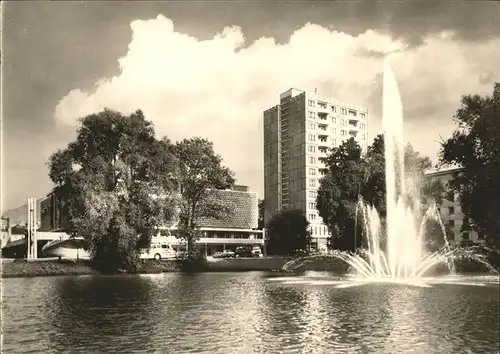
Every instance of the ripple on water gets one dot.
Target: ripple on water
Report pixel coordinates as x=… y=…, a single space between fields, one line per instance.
x=247 y=313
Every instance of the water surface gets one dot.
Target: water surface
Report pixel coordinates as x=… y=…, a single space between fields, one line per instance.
x=245 y=313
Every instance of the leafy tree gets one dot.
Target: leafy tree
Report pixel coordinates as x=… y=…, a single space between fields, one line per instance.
x=261 y=214
x=414 y=162
x=475 y=146
x=200 y=173
x=339 y=190
x=434 y=236
x=288 y=233
x=117 y=184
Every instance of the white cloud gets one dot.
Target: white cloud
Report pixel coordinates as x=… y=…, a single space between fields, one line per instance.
x=218 y=88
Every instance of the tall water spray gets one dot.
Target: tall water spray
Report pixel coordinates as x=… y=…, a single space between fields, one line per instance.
x=403 y=241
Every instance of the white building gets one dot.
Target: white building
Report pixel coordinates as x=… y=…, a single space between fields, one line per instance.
x=298 y=132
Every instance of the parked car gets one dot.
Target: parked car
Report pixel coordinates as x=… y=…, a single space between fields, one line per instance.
x=225 y=254
x=256 y=251
x=244 y=251
x=248 y=251
x=466 y=243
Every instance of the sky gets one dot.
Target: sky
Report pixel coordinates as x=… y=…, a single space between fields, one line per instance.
x=211 y=68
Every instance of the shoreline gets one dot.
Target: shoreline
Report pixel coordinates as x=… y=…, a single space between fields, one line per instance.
x=54 y=267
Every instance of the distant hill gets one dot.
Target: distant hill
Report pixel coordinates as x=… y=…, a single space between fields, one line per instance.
x=19 y=215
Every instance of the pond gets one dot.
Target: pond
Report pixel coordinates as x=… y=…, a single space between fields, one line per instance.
x=251 y=312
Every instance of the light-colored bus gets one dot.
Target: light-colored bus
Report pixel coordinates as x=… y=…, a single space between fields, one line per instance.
x=158 y=250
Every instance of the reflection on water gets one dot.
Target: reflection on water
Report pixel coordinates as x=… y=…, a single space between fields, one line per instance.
x=244 y=313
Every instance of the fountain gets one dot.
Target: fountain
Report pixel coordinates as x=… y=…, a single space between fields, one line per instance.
x=404 y=259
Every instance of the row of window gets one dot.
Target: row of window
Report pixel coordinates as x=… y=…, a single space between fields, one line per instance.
x=312 y=115
x=312 y=126
x=319 y=230
x=343 y=111
x=312 y=137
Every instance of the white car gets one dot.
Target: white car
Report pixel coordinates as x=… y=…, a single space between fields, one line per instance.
x=159 y=251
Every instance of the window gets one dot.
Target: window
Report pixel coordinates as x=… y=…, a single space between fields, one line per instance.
x=310 y=103
x=311 y=137
x=334 y=120
x=312 y=171
x=334 y=109
x=311 y=126
x=451 y=223
x=312 y=183
x=334 y=142
x=312 y=205
x=465 y=236
x=480 y=236
x=343 y=111
x=312 y=217
x=362 y=115
x=311 y=148
x=451 y=210
x=342 y=122
x=343 y=133
x=312 y=194
x=334 y=131
x=312 y=159
x=311 y=114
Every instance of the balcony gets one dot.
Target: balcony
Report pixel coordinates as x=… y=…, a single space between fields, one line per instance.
x=353 y=123
x=322 y=106
x=322 y=152
x=323 y=125
x=323 y=116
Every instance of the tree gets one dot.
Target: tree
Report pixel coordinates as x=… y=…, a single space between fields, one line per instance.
x=339 y=190
x=435 y=234
x=117 y=184
x=200 y=173
x=261 y=214
x=288 y=233
x=475 y=147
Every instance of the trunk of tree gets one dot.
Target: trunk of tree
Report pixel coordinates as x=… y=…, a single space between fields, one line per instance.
x=190 y=244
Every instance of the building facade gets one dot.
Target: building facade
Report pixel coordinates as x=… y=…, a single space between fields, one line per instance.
x=298 y=133
x=235 y=229
x=451 y=211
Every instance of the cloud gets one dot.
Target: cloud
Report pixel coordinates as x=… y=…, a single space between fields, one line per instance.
x=218 y=88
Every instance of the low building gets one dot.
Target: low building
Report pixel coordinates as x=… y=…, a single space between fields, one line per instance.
x=13 y=230
x=234 y=229
x=451 y=211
